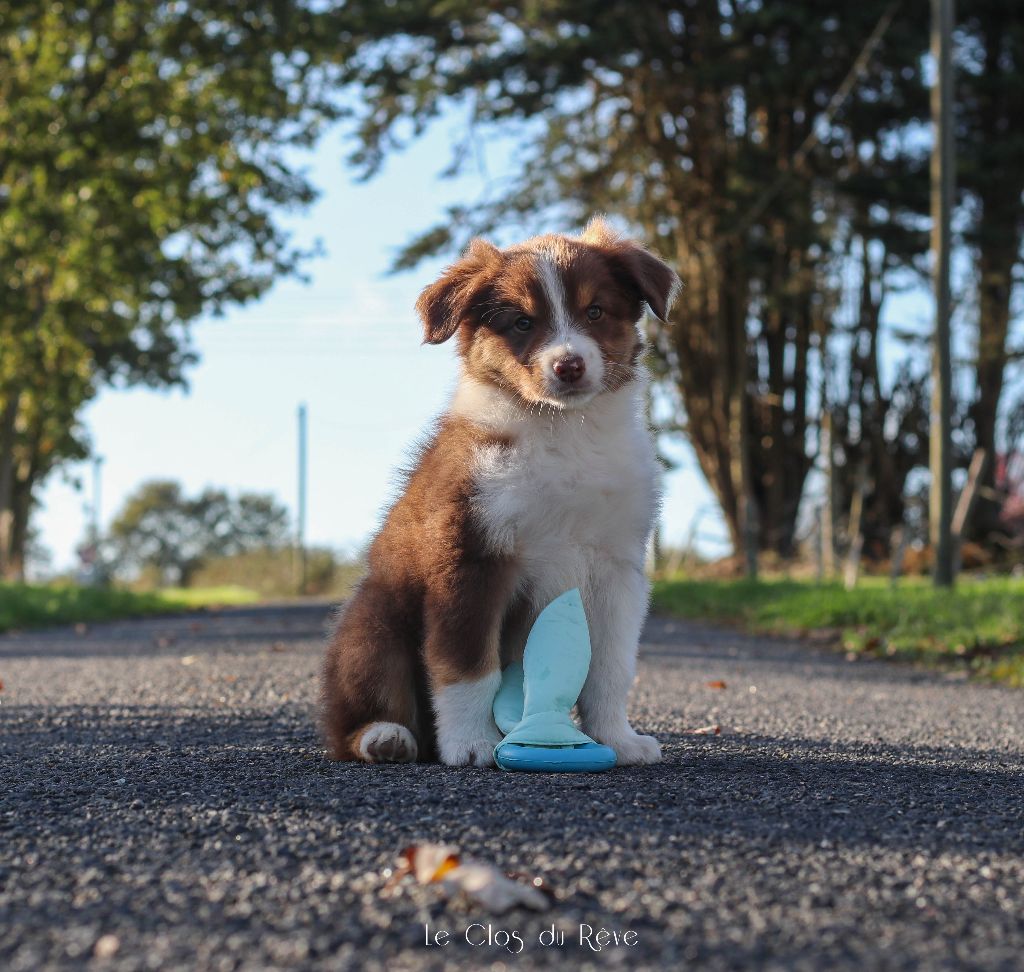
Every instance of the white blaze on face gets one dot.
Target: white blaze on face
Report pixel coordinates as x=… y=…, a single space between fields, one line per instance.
x=567 y=339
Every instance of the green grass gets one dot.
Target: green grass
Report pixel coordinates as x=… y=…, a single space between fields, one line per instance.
x=25 y=605
x=979 y=624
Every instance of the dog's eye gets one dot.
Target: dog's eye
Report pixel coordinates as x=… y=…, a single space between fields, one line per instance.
x=594 y=312
x=523 y=324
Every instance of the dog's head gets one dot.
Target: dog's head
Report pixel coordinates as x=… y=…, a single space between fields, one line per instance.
x=553 y=319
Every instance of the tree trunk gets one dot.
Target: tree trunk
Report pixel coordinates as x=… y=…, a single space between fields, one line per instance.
x=996 y=259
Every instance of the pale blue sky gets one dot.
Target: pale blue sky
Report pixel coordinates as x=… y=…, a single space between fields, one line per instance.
x=347 y=344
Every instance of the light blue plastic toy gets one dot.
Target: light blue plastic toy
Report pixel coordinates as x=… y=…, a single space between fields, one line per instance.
x=535 y=697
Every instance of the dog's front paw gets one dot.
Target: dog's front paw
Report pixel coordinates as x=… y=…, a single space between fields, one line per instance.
x=632 y=749
x=470 y=750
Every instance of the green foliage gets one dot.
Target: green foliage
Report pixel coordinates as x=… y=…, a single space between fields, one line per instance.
x=144 y=151
x=25 y=605
x=710 y=128
x=980 y=623
x=160 y=527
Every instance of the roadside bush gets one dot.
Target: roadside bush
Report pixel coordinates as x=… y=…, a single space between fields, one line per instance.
x=274 y=572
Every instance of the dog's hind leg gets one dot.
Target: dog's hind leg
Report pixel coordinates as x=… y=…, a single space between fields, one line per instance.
x=369 y=698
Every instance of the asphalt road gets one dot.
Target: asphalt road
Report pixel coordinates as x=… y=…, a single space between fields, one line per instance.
x=165 y=804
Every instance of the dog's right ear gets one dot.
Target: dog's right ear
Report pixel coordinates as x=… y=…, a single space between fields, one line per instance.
x=447 y=302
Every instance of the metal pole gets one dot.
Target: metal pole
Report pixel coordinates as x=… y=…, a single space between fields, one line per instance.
x=97 y=463
x=97 y=572
x=301 y=534
x=942 y=163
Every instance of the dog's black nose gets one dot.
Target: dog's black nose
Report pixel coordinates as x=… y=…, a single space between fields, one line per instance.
x=570 y=369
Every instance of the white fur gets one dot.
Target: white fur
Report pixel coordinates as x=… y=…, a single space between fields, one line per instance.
x=387 y=742
x=551 y=284
x=567 y=339
x=573 y=499
x=466 y=733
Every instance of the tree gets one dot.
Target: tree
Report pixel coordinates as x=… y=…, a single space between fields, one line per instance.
x=161 y=528
x=144 y=153
x=990 y=146
x=713 y=129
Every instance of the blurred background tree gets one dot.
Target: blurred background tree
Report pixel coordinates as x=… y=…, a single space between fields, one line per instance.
x=144 y=152
x=161 y=528
x=990 y=141
x=777 y=155
x=163 y=537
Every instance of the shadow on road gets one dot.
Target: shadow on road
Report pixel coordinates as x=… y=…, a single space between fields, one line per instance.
x=761 y=789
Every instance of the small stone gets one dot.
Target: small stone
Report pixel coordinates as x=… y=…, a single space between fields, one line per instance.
x=106 y=946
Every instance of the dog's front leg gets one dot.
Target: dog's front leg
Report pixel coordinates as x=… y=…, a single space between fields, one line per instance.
x=462 y=651
x=616 y=607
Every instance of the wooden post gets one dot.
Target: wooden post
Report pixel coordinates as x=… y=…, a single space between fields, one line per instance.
x=828 y=540
x=965 y=505
x=852 y=568
x=942 y=165
x=896 y=566
x=819 y=545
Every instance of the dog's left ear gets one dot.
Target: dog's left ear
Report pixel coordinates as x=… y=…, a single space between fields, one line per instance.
x=657 y=283
x=447 y=302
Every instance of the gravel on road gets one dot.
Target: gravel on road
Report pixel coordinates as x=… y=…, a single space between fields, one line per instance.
x=165 y=804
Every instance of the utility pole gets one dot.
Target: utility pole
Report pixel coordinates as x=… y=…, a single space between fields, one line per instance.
x=97 y=573
x=97 y=465
x=301 y=519
x=942 y=163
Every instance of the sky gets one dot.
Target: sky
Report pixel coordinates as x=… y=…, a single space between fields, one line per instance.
x=348 y=345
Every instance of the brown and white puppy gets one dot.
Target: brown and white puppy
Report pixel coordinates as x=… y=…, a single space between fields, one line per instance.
x=541 y=476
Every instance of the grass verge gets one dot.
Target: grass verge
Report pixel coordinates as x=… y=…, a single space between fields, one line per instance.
x=979 y=624
x=25 y=605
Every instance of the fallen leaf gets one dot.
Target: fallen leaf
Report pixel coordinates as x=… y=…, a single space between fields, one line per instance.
x=81 y=628
x=716 y=684
x=426 y=862
x=481 y=883
x=278 y=646
x=189 y=659
x=484 y=884
x=706 y=731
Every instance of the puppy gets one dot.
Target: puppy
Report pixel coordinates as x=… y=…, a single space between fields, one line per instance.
x=541 y=476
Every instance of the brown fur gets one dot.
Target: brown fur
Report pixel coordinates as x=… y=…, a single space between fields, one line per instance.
x=407 y=625
x=437 y=604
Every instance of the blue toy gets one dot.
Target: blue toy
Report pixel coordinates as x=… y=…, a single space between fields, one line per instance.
x=535 y=697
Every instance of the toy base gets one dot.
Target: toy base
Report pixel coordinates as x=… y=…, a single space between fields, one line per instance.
x=585 y=758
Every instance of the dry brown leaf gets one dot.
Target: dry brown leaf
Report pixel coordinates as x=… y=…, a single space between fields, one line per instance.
x=716 y=684
x=278 y=646
x=481 y=883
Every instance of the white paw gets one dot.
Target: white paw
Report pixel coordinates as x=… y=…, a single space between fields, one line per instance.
x=387 y=742
x=469 y=750
x=631 y=749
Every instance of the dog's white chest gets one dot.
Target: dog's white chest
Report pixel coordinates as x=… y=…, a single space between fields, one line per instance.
x=572 y=490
